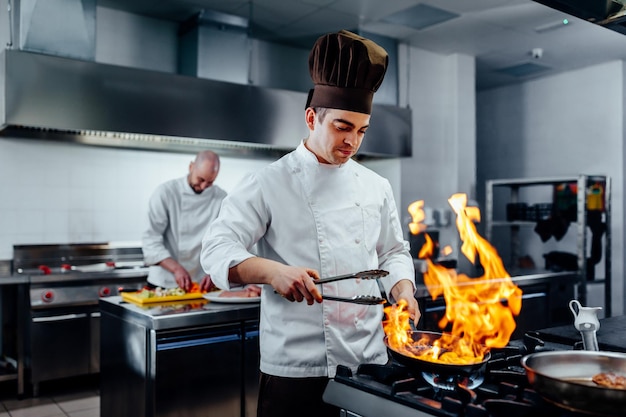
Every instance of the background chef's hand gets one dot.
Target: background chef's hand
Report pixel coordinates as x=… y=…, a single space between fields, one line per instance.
x=183 y=279
x=295 y=283
x=404 y=290
x=206 y=284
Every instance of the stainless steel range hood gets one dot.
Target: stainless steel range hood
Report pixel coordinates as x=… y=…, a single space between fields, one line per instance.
x=49 y=97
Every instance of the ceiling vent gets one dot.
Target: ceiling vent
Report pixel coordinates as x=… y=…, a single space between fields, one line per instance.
x=524 y=70
x=420 y=17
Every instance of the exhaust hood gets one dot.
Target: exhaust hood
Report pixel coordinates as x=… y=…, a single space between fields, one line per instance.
x=58 y=98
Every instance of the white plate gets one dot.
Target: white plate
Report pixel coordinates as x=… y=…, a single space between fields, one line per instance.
x=215 y=296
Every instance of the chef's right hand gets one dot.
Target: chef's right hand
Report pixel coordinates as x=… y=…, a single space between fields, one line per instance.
x=295 y=284
x=183 y=279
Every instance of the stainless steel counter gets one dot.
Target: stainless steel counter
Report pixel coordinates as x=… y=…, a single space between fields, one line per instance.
x=14 y=280
x=203 y=355
x=179 y=315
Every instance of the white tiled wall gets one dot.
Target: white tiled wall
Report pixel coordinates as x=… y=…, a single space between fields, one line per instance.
x=53 y=192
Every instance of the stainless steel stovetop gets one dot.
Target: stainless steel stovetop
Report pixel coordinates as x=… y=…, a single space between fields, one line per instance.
x=392 y=389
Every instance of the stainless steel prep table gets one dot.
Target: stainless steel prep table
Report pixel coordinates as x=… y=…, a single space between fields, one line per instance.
x=194 y=355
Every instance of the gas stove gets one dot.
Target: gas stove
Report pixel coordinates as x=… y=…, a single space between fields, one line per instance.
x=394 y=390
x=78 y=274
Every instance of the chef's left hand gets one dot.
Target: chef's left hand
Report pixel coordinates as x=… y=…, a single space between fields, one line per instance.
x=404 y=290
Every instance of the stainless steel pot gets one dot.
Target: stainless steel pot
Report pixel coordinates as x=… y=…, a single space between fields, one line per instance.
x=564 y=378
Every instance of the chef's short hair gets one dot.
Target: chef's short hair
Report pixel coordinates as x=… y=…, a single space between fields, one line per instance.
x=321 y=113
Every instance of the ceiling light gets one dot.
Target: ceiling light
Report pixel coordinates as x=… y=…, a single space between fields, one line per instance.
x=553 y=25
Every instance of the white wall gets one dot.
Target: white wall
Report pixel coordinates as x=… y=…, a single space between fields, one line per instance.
x=65 y=193
x=564 y=125
x=440 y=90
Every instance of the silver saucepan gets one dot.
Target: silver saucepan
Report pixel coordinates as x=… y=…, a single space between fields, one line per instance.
x=564 y=378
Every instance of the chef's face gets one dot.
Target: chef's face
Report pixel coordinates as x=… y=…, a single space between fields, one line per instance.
x=202 y=175
x=335 y=135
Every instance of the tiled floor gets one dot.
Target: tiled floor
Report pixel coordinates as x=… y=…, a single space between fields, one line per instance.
x=78 y=398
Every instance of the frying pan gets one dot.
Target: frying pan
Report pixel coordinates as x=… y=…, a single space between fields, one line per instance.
x=564 y=378
x=443 y=369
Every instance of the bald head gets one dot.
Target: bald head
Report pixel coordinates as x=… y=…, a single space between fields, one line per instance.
x=203 y=171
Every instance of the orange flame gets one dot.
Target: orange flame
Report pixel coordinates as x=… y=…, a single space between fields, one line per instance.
x=416 y=210
x=480 y=310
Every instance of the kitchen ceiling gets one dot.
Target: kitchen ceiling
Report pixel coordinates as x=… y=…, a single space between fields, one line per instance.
x=512 y=40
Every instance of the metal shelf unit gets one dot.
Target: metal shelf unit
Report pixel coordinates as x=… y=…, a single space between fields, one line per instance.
x=583 y=182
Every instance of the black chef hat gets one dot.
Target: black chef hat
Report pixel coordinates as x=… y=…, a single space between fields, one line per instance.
x=346 y=69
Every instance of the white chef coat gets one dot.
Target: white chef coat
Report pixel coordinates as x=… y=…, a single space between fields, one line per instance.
x=336 y=219
x=177 y=220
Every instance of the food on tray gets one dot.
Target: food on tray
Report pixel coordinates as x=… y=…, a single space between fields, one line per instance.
x=167 y=292
x=610 y=380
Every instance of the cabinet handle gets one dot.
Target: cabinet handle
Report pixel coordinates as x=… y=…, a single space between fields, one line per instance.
x=59 y=318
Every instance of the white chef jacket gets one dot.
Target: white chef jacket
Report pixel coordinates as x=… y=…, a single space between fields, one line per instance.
x=336 y=219
x=177 y=220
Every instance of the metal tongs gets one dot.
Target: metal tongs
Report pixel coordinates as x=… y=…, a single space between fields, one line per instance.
x=371 y=274
x=357 y=299
x=369 y=300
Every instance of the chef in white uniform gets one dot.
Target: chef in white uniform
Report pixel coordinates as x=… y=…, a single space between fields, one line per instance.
x=179 y=212
x=316 y=213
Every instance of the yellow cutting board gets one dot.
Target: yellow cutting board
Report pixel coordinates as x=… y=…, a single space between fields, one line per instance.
x=134 y=298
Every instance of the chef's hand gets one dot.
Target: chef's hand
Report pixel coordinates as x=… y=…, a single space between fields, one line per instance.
x=182 y=277
x=252 y=290
x=206 y=284
x=404 y=290
x=291 y=282
x=295 y=283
